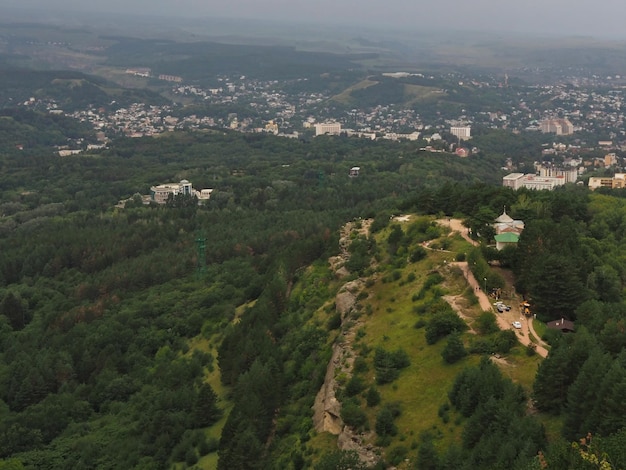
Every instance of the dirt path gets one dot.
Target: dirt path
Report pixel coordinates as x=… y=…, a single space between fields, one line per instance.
x=456 y=225
x=502 y=318
x=505 y=319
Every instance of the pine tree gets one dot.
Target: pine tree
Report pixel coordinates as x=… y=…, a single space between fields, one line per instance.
x=206 y=409
x=581 y=397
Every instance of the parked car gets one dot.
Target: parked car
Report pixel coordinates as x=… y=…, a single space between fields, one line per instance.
x=502 y=307
x=517 y=325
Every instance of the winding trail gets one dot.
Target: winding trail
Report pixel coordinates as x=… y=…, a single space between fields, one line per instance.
x=522 y=334
x=505 y=319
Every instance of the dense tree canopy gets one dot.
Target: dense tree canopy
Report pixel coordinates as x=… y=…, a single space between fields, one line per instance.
x=102 y=309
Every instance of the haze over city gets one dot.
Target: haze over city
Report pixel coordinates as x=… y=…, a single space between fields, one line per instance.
x=602 y=18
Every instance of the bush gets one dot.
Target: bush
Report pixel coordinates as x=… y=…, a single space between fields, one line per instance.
x=372 y=397
x=486 y=323
x=442 y=325
x=481 y=346
x=454 y=350
x=190 y=457
x=432 y=280
x=388 y=364
x=360 y=365
x=552 y=336
x=385 y=425
x=354 y=386
x=334 y=322
x=396 y=455
x=417 y=254
x=353 y=415
x=504 y=341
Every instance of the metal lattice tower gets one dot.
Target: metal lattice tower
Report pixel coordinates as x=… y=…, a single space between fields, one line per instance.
x=321 y=179
x=201 y=253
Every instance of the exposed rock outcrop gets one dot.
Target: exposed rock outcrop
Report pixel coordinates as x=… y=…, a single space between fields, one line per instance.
x=327 y=408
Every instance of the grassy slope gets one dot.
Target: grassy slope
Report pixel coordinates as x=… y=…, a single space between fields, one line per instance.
x=422 y=387
x=388 y=318
x=345 y=98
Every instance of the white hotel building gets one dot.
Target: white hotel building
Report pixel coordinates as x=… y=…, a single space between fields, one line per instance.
x=461 y=132
x=520 y=180
x=161 y=193
x=331 y=128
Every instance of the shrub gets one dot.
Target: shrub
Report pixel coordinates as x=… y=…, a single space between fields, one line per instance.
x=504 y=341
x=360 y=365
x=385 y=425
x=432 y=280
x=442 y=325
x=454 y=350
x=388 y=364
x=372 y=397
x=417 y=254
x=353 y=415
x=481 y=346
x=486 y=323
x=354 y=386
x=396 y=455
x=334 y=322
x=190 y=457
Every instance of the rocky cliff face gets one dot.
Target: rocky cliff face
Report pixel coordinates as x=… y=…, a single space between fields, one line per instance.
x=327 y=408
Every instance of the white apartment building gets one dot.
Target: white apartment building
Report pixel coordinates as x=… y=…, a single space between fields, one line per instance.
x=520 y=180
x=461 y=132
x=557 y=126
x=331 y=128
x=570 y=174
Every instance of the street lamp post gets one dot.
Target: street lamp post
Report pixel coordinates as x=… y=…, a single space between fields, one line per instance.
x=485 y=279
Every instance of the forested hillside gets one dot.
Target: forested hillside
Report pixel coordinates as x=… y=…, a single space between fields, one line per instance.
x=121 y=348
x=70 y=90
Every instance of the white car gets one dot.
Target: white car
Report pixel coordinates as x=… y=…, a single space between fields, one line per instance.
x=517 y=325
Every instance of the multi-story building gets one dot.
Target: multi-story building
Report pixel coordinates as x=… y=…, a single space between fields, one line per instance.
x=513 y=180
x=557 y=126
x=331 y=128
x=161 y=193
x=520 y=180
x=610 y=159
x=461 y=132
x=616 y=182
x=549 y=171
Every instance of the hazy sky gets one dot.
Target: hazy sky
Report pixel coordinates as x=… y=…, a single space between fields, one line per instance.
x=571 y=17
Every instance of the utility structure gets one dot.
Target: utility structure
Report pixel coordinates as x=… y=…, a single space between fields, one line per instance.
x=201 y=254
